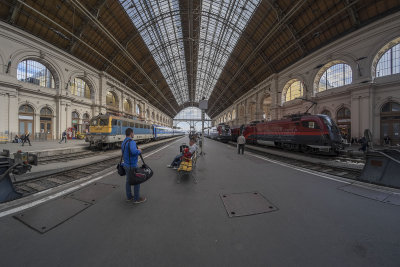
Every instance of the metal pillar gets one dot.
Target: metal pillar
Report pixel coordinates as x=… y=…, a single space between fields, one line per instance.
x=202 y=131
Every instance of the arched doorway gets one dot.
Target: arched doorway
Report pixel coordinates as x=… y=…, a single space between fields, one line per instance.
x=390 y=122
x=343 y=117
x=75 y=123
x=46 y=123
x=86 y=121
x=25 y=120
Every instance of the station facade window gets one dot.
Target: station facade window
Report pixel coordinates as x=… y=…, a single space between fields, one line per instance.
x=138 y=110
x=292 y=90
x=389 y=63
x=127 y=106
x=111 y=100
x=80 y=88
x=32 y=71
x=335 y=76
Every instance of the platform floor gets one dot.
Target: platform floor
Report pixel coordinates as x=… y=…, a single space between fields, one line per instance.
x=38 y=146
x=186 y=224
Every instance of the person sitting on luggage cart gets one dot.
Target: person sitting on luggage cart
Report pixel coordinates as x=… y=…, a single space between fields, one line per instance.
x=177 y=160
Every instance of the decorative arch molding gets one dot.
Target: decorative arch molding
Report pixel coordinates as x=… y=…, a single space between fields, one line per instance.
x=334 y=115
x=35 y=55
x=47 y=106
x=339 y=59
x=78 y=112
x=379 y=104
x=87 y=78
x=26 y=102
x=116 y=95
x=383 y=47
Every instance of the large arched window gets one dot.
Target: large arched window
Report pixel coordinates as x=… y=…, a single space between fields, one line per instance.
x=389 y=63
x=292 y=90
x=138 y=109
x=335 y=76
x=31 y=71
x=127 y=106
x=80 y=88
x=111 y=100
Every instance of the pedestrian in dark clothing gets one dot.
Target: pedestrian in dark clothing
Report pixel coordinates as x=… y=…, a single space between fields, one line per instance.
x=64 y=137
x=26 y=138
x=241 y=141
x=364 y=144
x=130 y=153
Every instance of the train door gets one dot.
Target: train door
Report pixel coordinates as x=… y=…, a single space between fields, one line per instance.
x=119 y=127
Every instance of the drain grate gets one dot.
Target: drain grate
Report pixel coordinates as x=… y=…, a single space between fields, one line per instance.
x=245 y=204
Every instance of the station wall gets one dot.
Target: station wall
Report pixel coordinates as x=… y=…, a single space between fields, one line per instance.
x=65 y=109
x=364 y=96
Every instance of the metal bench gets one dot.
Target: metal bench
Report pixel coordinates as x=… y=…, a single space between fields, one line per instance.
x=186 y=168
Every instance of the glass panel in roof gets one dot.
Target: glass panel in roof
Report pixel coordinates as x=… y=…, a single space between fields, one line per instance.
x=222 y=23
x=159 y=24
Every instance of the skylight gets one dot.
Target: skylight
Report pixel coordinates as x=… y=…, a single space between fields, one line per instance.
x=222 y=23
x=159 y=24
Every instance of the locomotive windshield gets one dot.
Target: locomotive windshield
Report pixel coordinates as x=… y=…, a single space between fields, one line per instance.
x=99 y=121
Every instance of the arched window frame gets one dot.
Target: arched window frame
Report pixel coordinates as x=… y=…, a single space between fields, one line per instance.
x=81 y=88
x=127 y=105
x=291 y=86
x=387 y=60
x=342 y=75
x=325 y=68
x=29 y=65
x=111 y=99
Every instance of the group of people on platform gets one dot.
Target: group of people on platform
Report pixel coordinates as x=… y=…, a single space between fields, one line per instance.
x=24 y=138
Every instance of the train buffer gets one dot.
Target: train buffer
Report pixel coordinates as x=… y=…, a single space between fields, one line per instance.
x=382 y=167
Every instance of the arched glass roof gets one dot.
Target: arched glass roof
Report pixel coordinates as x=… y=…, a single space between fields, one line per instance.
x=159 y=24
x=222 y=23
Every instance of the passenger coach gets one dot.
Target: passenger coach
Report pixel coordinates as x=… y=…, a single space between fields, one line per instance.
x=108 y=131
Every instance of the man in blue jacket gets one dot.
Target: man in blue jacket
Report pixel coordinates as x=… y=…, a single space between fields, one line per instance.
x=130 y=155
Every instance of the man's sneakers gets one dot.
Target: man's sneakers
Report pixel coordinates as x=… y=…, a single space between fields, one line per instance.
x=140 y=200
x=170 y=166
x=175 y=167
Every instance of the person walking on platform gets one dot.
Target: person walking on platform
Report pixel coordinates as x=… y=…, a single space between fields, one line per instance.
x=130 y=153
x=241 y=141
x=64 y=137
x=26 y=138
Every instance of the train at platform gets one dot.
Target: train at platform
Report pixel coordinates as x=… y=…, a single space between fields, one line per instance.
x=221 y=133
x=108 y=131
x=301 y=132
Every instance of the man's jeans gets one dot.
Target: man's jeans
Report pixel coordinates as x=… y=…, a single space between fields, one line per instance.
x=136 y=188
x=177 y=160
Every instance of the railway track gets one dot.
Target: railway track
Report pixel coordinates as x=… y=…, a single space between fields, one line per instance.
x=38 y=184
x=341 y=171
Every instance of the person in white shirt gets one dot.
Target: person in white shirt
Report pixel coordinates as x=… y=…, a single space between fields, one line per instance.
x=241 y=141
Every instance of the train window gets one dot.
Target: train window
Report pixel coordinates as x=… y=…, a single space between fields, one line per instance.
x=103 y=122
x=114 y=122
x=125 y=124
x=310 y=124
x=141 y=126
x=94 y=122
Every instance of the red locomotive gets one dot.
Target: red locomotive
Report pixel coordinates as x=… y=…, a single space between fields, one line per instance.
x=302 y=132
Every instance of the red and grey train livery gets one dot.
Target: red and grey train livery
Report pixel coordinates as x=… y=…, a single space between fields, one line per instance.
x=304 y=132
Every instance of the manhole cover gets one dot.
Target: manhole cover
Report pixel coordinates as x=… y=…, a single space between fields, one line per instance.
x=51 y=214
x=93 y=193
x=245 y=204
